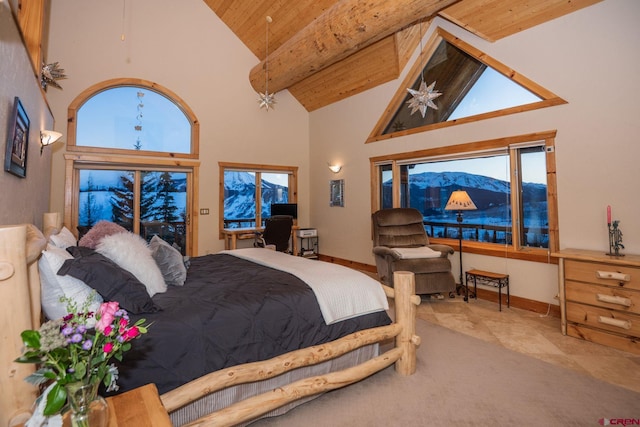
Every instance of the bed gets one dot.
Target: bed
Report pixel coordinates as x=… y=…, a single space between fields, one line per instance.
x=229 y=381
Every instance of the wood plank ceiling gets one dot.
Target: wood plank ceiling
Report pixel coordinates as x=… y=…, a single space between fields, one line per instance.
x=324 y=51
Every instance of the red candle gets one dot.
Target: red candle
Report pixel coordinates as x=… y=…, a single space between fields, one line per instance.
x=608 y=214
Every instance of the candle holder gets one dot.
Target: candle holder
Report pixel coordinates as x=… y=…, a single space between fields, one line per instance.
x=615 y=239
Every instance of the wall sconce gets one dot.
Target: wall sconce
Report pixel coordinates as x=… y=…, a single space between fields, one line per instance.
x=334 y=168
x=48 y=137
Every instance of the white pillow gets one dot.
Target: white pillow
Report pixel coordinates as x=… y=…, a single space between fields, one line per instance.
x=54 y=287
x=169 y=260
x=63 y=239
x=132 y=253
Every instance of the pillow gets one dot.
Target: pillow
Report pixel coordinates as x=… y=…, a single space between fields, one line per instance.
x=98 y=231
x=132 y=253
x=63 y=239
x=111 y=281
x=169 y=260
x=54 y=287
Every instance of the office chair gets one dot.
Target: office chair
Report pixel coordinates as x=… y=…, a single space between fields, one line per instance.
x=276 y=234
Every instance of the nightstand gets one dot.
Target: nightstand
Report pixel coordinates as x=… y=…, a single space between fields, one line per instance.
x=140 y=407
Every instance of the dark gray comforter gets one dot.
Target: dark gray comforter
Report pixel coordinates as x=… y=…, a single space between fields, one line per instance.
x=230 y=311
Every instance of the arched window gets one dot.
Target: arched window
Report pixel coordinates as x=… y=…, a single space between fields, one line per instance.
x=123 y=137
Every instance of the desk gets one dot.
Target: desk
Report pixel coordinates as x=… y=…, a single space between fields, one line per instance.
x=232 y=235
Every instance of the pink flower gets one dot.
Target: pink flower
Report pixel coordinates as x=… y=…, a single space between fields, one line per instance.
x=108 y=347
x=107 y=314
x=131 y=333
x=123 y=324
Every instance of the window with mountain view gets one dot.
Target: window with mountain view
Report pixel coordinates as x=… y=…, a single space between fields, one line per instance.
x=115 y=122
x=250 y=190
x=508 y=184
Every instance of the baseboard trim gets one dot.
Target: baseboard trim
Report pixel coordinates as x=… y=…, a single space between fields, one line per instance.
x=485 y=294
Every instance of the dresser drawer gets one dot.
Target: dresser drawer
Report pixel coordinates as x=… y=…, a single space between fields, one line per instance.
x=632 y=345
x=619 y=299
x=627 y=324
x=603 y=274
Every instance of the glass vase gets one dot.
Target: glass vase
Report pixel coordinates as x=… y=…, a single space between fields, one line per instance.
x=86 y=407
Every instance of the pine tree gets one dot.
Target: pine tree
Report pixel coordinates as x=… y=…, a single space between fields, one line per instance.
x=91 y=209
x=167 y=209
x=149 y=183
x=122 y=199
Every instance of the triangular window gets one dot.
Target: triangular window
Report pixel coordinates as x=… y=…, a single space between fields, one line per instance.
x=471 y=85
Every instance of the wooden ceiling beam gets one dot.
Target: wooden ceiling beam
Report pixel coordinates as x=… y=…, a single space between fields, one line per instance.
x=340 y=31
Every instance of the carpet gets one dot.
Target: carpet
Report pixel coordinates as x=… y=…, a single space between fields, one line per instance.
x=463 y=381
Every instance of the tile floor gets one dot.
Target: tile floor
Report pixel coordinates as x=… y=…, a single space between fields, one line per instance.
x=533 y=334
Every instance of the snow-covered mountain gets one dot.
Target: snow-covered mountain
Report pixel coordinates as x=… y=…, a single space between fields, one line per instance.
x=240 y=190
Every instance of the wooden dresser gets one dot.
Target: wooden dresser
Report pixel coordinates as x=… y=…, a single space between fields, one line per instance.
x=600 y=298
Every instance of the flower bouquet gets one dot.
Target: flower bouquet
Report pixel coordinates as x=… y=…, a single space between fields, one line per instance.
x=76 y=351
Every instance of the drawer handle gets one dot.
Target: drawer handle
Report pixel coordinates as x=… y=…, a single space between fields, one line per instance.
x=613 y=275
x=614 y=300
x=624 y=324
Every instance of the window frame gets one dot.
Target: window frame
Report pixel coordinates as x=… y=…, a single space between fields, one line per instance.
x=84 y=96
x=549 y=99
x=80 y=157
x=292 y=172
x=513 y=250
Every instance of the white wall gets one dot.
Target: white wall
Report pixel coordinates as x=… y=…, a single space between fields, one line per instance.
x=591 y=59
x=185 y=47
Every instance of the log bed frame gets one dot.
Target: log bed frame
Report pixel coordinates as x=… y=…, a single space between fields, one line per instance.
x=20 y=248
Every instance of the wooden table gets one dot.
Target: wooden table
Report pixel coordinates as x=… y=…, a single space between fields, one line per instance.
x=498 y=280
x=140 y=407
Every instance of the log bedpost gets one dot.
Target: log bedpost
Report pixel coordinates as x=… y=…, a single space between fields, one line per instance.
x=15 y=317
x=52 y=223
x=405 y=308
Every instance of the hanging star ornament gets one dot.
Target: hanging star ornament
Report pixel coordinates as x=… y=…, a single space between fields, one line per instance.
x=423 y=98
x=51 y=73
x=267 y=100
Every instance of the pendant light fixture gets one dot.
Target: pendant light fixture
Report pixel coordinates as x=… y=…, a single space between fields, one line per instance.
x=267 y=100
x=424 y=96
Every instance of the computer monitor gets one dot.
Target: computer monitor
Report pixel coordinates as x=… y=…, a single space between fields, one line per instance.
x=290 y=209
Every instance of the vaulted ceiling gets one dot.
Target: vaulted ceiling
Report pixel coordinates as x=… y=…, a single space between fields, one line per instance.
x=323 y=51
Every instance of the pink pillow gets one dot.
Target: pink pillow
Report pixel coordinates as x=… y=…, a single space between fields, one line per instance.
x=98 y=231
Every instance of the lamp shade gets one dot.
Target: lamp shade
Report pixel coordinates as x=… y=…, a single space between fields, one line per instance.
x=48 y=137
x=335 y=168
x=460 y=201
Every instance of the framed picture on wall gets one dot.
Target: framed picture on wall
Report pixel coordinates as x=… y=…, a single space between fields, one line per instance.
x=15 y=158
x=336 y=191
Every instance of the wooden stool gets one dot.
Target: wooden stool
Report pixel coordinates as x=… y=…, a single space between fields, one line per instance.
x=498 y=280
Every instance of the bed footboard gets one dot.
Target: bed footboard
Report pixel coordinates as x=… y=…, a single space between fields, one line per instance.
x=403 y=354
